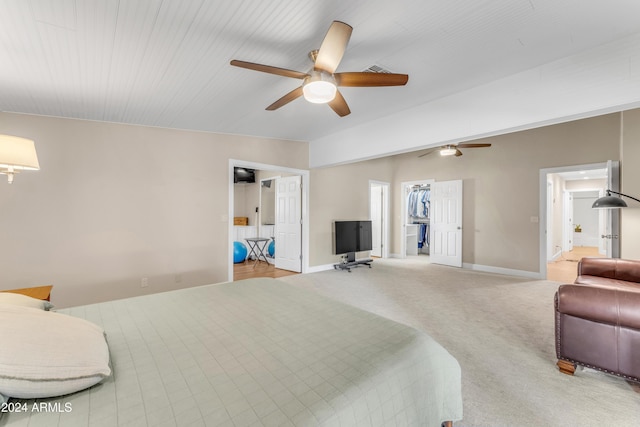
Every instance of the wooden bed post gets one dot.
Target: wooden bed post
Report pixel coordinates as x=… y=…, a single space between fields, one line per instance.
x=566 y=367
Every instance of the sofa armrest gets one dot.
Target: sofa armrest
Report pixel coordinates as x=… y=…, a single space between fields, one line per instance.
x=600 y=304
x=611 y=268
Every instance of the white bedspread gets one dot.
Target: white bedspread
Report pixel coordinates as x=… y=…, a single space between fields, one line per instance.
x=258 y=352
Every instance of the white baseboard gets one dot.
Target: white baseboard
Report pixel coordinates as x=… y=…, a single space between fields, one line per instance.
x=395 y=256
x=318 y=268
x=505 y=271
x=556 y=255
x=468 y=266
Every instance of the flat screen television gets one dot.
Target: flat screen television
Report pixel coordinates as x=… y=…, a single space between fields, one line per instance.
x=351 y=237
x=244 y=175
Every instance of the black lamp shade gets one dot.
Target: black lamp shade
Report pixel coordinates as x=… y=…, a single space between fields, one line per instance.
x=609 y=202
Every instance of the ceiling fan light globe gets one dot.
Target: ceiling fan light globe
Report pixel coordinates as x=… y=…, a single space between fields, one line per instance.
x=319 y=88
x=448 y=151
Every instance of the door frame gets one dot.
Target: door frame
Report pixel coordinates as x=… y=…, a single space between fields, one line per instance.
x=613 y=184
x=304 y=174
x=550 y=249
x=385 y=213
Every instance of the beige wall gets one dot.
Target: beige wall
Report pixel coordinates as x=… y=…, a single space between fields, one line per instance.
x=630 y=221
x=340 y=193
x=501 y=185
x=245 y=200
x=501 y=189
x=115 y=203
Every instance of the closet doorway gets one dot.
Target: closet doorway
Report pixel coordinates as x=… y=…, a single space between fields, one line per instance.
x=379 y=215
x=415 y=210
x=432 y=215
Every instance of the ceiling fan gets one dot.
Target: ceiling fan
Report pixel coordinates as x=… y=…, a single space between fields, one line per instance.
x=320 y=83
x=453 y=149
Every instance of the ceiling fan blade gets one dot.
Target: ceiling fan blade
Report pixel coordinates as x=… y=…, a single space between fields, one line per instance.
x=339 y=105
x=333 y=47
x=362 y=79
x=458 y=153
x=269 y=69
x=294 y=94
x=432 y=150
x=472 y=145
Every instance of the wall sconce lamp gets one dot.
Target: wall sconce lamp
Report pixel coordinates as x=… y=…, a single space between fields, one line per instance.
x=611 y=202
x=17 y=154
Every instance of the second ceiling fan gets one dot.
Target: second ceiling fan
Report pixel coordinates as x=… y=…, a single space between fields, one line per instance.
x=320 y=84
x=453 y=149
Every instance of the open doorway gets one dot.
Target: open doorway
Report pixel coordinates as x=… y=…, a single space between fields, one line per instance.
x=571 y=229
x=415 y=203
x=272 y=240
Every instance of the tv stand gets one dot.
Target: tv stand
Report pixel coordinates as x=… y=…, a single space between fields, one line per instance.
x=349 y=262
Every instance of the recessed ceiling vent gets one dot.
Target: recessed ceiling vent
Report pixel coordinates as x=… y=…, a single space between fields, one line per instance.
x=377 y=69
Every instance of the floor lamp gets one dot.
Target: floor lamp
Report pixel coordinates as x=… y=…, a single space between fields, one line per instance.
x=612 y=202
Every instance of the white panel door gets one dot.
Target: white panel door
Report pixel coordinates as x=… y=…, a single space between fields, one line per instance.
x=288 y=229
x=376 y=219
x=446 y=223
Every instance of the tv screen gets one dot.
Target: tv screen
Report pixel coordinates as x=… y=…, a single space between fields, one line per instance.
x=244 y=175
x=352 y=236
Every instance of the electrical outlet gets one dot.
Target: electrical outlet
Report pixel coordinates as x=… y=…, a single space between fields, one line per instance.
x=144 y=282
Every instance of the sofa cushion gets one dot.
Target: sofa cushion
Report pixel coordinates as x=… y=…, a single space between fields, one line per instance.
x=610 y=268
x=606 y=282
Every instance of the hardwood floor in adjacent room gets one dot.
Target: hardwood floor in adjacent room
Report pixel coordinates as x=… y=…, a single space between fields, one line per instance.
x=246 y=270
x=565 y=268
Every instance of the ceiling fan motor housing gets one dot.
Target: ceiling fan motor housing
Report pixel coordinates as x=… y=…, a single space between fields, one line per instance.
x=319 y=87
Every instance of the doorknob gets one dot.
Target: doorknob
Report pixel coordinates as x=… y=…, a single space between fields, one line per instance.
x=459 y=228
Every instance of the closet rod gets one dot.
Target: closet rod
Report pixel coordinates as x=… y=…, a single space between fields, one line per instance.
x=420 y=187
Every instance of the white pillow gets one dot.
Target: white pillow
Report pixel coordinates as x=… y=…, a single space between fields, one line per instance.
x=46 y=354
x=23 y=300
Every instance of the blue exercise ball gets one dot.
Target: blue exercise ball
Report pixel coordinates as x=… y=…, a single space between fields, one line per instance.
x=239 y=252
x=272 y=248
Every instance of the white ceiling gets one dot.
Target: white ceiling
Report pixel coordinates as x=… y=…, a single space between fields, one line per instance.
x=166 y=63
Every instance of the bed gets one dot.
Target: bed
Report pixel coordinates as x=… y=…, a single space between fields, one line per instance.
x=257 y=352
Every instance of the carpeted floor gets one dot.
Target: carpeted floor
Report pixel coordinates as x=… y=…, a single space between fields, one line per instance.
x=501 y=330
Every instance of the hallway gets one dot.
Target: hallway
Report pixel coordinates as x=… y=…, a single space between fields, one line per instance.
x=565 y=268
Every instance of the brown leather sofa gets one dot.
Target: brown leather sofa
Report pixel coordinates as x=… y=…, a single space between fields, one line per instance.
x=598 y=318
